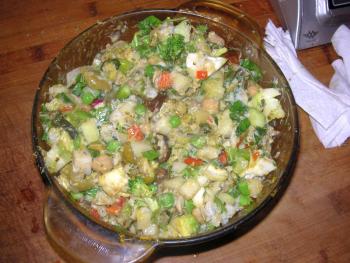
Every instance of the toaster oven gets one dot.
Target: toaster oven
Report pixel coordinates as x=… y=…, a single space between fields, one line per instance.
x=312 y=22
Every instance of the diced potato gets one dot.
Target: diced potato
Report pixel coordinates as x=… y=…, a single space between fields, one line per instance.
x=114 y=181
x=215 y=174
x=201 y=116
x=198 y=199
x=189 y=188
x=54 y=104
x=225 y=124
x=138 y=147
x=255 y=186
x=143 y=218
x=82 y=162
x=208 y=153
x=57 y=89
x=180 y=82
x=262 y=167
x=163 y=126
x=210 y=105
x=174 y=183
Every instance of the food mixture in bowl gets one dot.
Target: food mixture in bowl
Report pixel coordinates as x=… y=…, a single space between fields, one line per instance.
x=167 y=136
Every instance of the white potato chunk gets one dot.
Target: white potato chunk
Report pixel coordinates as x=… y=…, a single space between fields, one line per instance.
x=82 y=162
x=215 y=174
x=189 y=188
x=113 y=181
x=262 y=167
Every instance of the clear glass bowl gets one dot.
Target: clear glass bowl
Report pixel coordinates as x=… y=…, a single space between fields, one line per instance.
x=70 y=228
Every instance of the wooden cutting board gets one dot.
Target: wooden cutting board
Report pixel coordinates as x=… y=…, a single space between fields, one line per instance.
x=311 y=223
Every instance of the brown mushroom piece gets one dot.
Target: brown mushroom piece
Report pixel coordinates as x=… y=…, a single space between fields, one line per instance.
x=163 y=147
x=161 y=173
x=156 y=103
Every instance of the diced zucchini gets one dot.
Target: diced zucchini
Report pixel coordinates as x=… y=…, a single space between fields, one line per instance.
x=90 y=131
x=185 y=225
x=183 y=29
x=256 y=118
x=214 y=86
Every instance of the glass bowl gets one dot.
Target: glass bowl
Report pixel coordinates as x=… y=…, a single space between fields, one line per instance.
x=70 y=228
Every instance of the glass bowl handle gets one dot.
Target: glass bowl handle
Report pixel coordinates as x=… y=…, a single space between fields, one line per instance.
x=76 y=238
x=228 y=14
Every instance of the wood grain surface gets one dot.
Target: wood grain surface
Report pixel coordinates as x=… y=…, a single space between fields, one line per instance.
x=311 y=222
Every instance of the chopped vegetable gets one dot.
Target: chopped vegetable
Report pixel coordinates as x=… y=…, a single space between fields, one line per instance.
x=140 y=109
x=193 y=161
x=160 y=136
x=113 y=146
x=201 y=74
x=171 y=49
x=151 y=155
x=254 y=69
x=166 y=200
x=164 y=81
x=175 y=121
x=123 y=92
x=135 y=133
x=139 y=188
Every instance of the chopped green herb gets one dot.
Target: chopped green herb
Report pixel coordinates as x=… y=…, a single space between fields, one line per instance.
x=171 y=49
x=149 y=23
x=242 y=126
x=149 y=71
x=238 y=110
x=254 y=69
x=151 y=155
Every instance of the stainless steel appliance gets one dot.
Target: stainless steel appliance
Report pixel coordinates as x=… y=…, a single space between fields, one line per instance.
x=312 y=22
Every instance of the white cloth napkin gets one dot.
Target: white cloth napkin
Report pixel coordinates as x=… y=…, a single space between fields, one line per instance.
x=329 y=108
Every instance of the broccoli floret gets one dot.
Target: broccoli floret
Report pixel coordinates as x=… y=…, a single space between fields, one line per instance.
x=139 y=188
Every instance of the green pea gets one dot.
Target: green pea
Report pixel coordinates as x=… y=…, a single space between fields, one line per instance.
x=174 y=121
x=123 y=92
x=87 y=97
x=140 y=109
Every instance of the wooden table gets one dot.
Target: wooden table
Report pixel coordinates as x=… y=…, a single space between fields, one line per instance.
x=311 y=223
